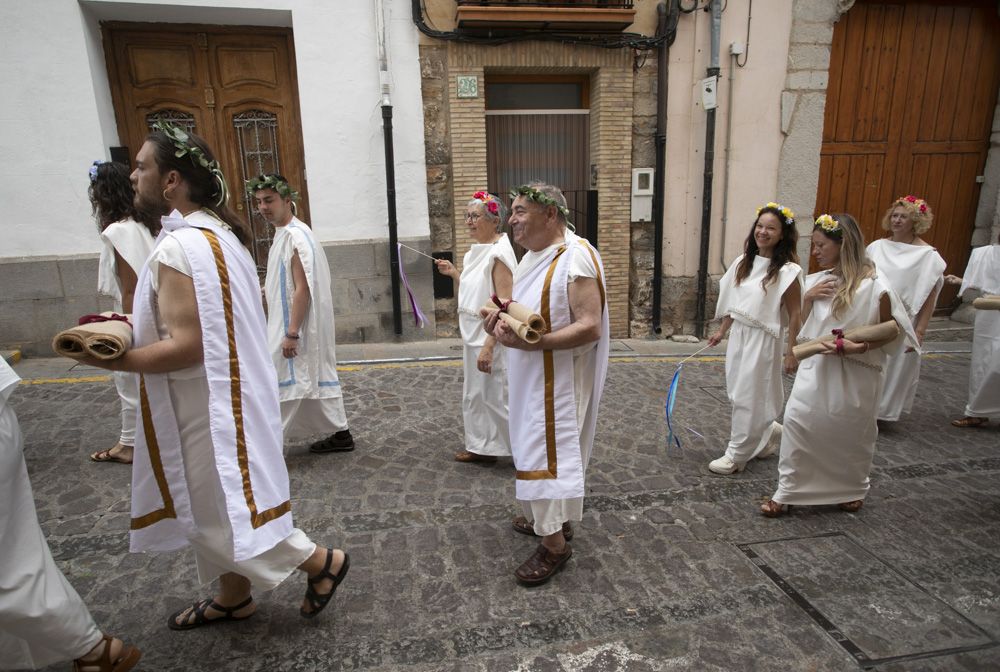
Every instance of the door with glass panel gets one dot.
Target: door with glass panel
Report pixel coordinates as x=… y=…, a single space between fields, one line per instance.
x=538 y=128
x=234 y=88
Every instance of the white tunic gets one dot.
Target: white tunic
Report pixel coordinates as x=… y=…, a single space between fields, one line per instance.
x=983 y=273
x=829 y=431
x=42 y=619
x=915 y=272
x=244 y=430
x=308 y=385
x=555 y=394
x=754 y=352
x=484 y=395
x=133 y=242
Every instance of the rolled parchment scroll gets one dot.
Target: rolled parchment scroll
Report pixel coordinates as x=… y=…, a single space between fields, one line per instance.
x=885 y=331
x=107 y=336
x=528 y=326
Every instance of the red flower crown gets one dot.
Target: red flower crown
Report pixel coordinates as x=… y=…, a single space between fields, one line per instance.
x=919 y=203
x=488 y=200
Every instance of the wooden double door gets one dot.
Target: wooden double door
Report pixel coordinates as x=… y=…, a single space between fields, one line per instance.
x=234 y=87
x=910 y=103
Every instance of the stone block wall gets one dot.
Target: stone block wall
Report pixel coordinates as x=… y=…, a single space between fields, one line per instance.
x=44 y=296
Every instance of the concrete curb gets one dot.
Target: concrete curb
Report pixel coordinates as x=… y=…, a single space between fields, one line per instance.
x=12 y=357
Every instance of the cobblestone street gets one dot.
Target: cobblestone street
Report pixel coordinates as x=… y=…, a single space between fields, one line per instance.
x=673 y=568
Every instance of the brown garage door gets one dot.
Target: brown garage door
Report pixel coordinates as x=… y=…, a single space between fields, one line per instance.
x=913 y=87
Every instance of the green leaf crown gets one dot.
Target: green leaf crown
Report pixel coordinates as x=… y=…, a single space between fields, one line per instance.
x=184 y=147
x=271 y=182
x=533 y=194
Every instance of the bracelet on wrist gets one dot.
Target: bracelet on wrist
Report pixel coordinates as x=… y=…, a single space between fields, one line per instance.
x=294 y=338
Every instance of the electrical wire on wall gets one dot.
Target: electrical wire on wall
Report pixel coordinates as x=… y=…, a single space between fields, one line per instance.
x=746 y=54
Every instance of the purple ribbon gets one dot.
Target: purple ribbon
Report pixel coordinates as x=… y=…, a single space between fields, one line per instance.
x=419 y=318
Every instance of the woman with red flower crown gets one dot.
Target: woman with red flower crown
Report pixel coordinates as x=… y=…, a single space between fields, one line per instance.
x=487 y=271
x=915 y=271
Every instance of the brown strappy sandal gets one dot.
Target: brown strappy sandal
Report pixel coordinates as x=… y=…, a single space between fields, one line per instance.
x=126 y=660
x=773 y=509
x=852 y=507
x=970 y=421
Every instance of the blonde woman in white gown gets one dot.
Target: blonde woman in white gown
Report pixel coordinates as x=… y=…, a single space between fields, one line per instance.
x=759 y=299
x=829 y=425
x=915 y=271
x=487 y=270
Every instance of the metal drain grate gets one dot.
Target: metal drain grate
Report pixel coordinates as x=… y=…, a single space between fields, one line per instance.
x=876 y=613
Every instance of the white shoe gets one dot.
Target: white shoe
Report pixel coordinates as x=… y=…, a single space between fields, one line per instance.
x=773 y=442
x=724 y=466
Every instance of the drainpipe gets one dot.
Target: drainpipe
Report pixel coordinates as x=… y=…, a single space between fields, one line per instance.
x=666 y=24
x=390 y=167
x=725 y=179
x=706 y=198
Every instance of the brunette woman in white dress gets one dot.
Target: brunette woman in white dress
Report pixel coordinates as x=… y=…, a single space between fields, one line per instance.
x=759 y=296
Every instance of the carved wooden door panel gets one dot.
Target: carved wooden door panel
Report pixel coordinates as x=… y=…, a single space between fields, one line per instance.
x=909 y=108
x=234 y=88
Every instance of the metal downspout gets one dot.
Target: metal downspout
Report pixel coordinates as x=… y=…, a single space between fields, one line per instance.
x=706 y=199
x=666 y=22
x=390 y=166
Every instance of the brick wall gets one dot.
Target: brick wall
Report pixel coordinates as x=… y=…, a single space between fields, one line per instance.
x=465 y=123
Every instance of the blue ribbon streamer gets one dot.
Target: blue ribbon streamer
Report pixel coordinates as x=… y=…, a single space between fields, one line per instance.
x=669 y=407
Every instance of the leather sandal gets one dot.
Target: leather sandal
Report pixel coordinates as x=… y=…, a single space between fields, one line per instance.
x=107 y=456
x=852 y=507
x=466 y=456
x=542 y=565
x=773 y=509
x=200 y=619
x=521 y=524
x=969 y=421
x=126 y=660
x=318 y=601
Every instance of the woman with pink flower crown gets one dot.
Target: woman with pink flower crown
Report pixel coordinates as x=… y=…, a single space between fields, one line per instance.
x=915 y=271
x=759 y=300
x=487 y=271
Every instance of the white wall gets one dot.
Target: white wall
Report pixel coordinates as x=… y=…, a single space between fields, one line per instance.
x=756 y=132
x=58 y=115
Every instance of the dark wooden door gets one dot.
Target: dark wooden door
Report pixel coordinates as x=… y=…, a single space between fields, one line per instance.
x=235 y=88
x=913 y=87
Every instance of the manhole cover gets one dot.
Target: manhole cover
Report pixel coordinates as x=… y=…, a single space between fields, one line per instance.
x=873 y=611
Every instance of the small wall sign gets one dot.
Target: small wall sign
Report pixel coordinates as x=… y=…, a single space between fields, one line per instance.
x=468 y=86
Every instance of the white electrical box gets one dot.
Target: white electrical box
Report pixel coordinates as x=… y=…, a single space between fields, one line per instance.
x=642 y=194
x=708 y=87
x=737 y=48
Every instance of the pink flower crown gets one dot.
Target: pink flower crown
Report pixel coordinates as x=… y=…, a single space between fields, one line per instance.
x=488 y=200
x=919 y=203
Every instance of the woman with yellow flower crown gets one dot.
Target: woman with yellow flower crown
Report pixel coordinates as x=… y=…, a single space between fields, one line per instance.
x=759 y=298
x=915 y=271
x=829 y=431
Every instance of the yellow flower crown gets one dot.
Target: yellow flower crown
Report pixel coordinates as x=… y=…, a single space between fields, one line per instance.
x=829 y=225
x=785 y=211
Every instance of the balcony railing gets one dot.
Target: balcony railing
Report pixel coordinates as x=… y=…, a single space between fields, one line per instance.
x=565 y=16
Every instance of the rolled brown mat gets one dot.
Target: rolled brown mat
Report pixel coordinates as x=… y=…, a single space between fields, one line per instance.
x=987 y=302
x=528 y=326
x=107 y=336
x=885 y=331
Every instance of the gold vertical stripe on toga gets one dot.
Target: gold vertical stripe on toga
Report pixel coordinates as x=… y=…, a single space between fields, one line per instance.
x=236 y=392
x=550 y=384
x=153 y=447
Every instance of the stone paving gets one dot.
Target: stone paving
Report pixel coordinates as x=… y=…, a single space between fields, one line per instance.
x=673 y=568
